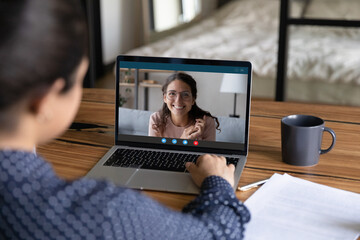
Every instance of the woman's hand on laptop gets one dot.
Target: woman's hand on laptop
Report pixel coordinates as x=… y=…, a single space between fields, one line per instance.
x=210 y=165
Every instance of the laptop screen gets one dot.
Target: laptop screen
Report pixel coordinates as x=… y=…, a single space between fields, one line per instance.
x=195 y=105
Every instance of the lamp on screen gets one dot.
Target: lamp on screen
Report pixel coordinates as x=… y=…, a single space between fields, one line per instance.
x=234 y=83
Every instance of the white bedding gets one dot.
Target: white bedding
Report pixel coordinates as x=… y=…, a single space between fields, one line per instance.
x=248 y=30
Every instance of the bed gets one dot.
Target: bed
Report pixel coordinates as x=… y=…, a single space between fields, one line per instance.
x=323 y=62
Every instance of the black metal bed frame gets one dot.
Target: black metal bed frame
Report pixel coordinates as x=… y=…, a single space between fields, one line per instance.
x=285 y=22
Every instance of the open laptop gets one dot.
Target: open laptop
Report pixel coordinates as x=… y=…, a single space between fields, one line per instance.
x=140 y=161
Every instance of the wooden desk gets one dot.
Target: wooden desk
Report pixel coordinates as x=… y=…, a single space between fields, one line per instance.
x=92 y=134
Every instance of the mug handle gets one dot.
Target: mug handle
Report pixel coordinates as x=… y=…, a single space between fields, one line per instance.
x=333 y=142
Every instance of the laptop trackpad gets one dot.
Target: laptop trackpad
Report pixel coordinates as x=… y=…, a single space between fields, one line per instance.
x=162 y=181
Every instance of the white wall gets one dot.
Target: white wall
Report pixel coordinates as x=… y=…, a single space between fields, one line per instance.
x=211 y=99
x=121 y=27
x=110 y=29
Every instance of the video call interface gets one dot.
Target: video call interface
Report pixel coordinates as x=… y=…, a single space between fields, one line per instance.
x=195 y=109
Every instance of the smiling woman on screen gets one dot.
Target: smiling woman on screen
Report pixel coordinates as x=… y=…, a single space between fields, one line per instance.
x=180 y=117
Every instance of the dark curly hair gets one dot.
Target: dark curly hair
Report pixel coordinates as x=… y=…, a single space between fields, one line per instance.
x=195 y=111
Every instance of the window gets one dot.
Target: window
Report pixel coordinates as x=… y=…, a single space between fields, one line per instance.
x=168 y=14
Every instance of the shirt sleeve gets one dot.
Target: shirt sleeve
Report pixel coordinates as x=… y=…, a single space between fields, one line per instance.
x=89 y=209
x=214 y=214
x=35 y=204
x=218 y=208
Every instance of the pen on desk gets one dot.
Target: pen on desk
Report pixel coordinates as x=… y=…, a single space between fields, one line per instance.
x=252 y=185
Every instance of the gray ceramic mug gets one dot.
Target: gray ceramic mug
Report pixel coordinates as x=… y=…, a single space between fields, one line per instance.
x=301 y=137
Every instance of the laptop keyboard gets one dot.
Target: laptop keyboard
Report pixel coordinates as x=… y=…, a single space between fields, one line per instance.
x=146 y=159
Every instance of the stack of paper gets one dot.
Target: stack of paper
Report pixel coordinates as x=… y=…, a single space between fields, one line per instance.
x=287 y=207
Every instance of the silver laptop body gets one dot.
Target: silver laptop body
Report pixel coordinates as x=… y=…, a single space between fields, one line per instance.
x=131 y=123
